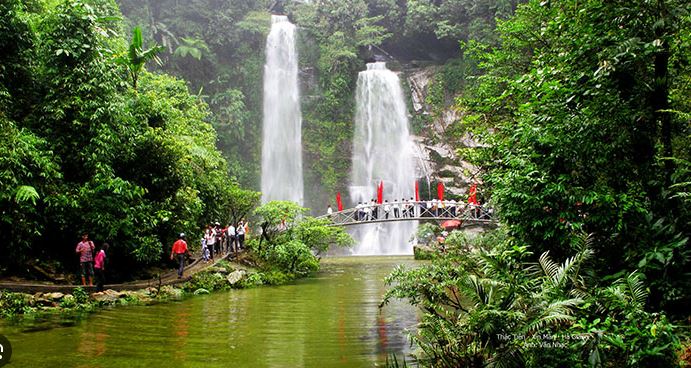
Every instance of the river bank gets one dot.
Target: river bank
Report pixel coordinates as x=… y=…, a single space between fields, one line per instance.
x=66 y=300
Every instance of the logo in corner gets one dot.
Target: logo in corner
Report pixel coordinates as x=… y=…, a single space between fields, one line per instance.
x=5 y=350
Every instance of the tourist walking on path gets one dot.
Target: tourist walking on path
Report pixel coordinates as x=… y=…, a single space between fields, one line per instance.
x=205 y=251
x=180 y=251
x=100 y=267
x=219 y=238
x=85 y=249
x=210 y=240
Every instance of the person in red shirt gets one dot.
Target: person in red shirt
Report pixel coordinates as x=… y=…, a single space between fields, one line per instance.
x=180 y=251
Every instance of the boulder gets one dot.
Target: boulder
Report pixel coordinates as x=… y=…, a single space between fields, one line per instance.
x=69 y=299
x=109 y=296
x=216 y=269
x=171 y=292
x=151 y=291
x=54 y=296
x=235 y=276
x=44 y=302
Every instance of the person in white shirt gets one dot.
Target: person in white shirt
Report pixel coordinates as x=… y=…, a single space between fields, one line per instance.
x=210 y=236
x=240 y=230
x=452 y=207
x=232 y=238
x=368 y=211
x=387 y=209
x=329 y=211
x=396 y=209
x=359 y=212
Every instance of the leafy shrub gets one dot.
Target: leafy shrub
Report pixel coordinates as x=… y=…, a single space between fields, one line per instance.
x=209 y=281
x=276 y=277
x=489 y=305
x=249 y=281
x=12 y=304
x=80 y=295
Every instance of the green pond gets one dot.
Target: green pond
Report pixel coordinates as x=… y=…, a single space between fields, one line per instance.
x=330 y=320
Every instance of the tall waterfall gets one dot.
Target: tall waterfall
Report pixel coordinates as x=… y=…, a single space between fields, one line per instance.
x=382 y=151
x=282 y=142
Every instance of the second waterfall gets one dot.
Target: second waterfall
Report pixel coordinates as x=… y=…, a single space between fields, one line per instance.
x=282 y=142
x=382 y=152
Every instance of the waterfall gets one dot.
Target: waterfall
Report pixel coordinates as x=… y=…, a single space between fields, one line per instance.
x=382 y=151
x=281 y=140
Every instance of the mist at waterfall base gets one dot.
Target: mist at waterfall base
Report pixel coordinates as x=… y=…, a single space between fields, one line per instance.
x=382 y=151
x=282 y=142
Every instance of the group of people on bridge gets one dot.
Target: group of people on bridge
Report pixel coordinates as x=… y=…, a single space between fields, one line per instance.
x=409 y=208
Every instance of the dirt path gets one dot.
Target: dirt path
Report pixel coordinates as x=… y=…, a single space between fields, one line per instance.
x=168 y=278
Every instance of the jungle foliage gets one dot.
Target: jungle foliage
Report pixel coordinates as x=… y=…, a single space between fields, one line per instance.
x=583 y=111
x=292 y=242
x=578 y=107
x=83 y=150
x=486 y=303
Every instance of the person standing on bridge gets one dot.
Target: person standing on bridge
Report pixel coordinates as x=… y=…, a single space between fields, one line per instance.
x=358 y=211
x=179 y=251
x=396 y=209
x=329 y=211
x=387 y=209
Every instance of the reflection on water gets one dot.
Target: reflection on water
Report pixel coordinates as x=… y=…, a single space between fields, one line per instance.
x=331 y=320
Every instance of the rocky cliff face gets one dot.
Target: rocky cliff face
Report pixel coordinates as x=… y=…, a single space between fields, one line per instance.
x=438 y=158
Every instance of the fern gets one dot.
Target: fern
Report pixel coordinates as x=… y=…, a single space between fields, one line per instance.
x=26 y=193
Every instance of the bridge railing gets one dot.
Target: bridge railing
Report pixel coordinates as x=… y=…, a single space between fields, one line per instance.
x=411 y=211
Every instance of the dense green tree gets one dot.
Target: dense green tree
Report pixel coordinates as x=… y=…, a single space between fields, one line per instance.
x=82 y=150
x=291 y=241
x=575 y=102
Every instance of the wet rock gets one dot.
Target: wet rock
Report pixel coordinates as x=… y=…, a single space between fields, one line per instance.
x=170 y=291
x=216 y=269
x=235 y=276
x=44 y=302
x=108 y=297
x=69 y=299
x=201 y=291
x=54 y=296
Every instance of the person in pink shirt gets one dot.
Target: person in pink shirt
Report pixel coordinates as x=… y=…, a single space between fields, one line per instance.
x=100 y=267
x=85 y=249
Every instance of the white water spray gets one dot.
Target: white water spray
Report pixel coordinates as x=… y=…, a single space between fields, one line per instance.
x=282 y=141
x=382 y=151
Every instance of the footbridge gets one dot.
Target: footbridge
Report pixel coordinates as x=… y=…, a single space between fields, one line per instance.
x=463 y=214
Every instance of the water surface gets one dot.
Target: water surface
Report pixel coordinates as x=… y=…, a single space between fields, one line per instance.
x=331 y=320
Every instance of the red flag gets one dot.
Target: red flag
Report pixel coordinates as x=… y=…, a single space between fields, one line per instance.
x=338 y=202
x=417 y=192
x=440 y=191
x=380 y=192
x=472 y=194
